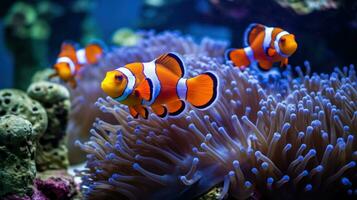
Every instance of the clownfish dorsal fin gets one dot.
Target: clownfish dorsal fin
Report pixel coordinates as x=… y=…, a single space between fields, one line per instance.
x=173 y=62
x=68 y=49
x=252 y=32
x=144 y=89
x=68 y=46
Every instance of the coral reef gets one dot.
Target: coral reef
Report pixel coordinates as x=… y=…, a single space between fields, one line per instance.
x=254 y=142
x=151 y=45
x=52 y=151
x=17 y=164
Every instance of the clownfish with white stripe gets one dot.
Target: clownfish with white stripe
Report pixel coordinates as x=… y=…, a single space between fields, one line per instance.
x=70 y=60
x=265 y=45
x=160 y=85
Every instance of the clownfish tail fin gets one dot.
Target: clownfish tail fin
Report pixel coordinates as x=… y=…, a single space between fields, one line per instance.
x=94 y=51
x=238 y=57
x=202 y=90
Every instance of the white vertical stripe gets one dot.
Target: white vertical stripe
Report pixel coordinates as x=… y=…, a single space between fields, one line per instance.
x=69 y=61
x=267 y=38
x=150 y=73
x=182 y=88
x=81 y=56
x=276 y=43
x=130 y=83
x=250 y=54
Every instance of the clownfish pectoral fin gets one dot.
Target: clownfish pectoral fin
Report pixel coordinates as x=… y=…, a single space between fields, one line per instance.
x=144 y=90
x=202 y=90
x=238 y=57
x=133 y=112
x=159 y=110
x=271 y=52
x=94 y=52
x=176 y=107
x=251 y=33
x=73 y=83
x=265 y=65
x=142 y=111
x=284 y=62
x=173 y=62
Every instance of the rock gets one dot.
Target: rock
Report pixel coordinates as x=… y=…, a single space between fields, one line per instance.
x=52 y=151
x=17 y=153
x=17 y=103
x=43 y=75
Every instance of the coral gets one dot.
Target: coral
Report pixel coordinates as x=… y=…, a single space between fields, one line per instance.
x=213 y=194
x=43 y=75
x=254 y=142
x=56 y=185
x=308 y=6
x=52 y=151
x=148 y=48
x=18 y=103
x=125 y=37
x=17 y=164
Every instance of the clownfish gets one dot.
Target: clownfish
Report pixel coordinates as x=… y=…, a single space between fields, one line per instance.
x=160 y=84
x=265 y=45
x=70 y=60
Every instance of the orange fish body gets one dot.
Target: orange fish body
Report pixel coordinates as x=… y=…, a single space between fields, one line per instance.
x=265 y=45
x=160 y=84
x=70 y=60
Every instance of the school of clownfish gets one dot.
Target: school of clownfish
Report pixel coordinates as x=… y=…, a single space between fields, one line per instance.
x=162 y=84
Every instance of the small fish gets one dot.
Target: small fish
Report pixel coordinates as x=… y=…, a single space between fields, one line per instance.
x=160 y=84
x=70 y=60
x=265 y=45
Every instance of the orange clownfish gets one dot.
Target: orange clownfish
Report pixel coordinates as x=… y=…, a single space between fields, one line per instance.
x=264 y=45
x=160 y=84
x=70 y=60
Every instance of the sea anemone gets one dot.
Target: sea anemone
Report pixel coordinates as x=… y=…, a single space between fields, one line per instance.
x=148 y=48
x=256 y=137
x=254 y=142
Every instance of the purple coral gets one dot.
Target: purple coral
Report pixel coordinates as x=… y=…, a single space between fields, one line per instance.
x=254 y=142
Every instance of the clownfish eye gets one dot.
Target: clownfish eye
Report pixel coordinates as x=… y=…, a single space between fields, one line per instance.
x=119 y=77
x=282 y=39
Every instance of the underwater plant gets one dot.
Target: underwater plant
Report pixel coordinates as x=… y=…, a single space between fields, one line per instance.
x=254 y=142
x=150 y=46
